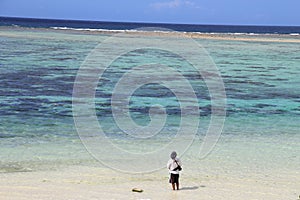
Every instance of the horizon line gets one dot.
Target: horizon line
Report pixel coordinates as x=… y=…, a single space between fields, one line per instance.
x=143 y=22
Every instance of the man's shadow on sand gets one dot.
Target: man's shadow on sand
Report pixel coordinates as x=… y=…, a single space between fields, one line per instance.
x=192 y=188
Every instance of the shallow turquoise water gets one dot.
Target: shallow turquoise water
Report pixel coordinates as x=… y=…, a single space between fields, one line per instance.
x=38 y=70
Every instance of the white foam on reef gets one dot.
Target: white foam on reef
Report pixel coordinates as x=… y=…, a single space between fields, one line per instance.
x=87 y=29
x=119 y=30
x=163 y=31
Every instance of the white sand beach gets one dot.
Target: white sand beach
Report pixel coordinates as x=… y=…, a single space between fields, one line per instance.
x=94 y=183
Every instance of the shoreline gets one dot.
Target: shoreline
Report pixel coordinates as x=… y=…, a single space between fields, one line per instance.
x=225 y=174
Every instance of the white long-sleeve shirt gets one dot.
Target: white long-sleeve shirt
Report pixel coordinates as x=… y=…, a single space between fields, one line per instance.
x=172 y=165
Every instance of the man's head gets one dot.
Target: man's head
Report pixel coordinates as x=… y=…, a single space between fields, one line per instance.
x=173 y=155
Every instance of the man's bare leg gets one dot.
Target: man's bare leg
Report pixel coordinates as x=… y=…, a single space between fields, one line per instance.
x=173 y=186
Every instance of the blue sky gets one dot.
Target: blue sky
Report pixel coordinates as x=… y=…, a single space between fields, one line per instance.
x=243 y=12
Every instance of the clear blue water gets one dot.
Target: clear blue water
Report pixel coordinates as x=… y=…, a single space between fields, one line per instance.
x=38 y=70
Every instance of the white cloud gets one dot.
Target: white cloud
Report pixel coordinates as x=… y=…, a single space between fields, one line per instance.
x=171 y=4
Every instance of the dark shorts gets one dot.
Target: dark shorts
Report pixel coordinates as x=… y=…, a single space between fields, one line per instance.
x=174 y=178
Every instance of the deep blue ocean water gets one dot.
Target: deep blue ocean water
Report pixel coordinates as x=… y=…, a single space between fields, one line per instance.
x=48 y=23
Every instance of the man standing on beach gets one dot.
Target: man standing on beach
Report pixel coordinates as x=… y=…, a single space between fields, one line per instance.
x=174 y=166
